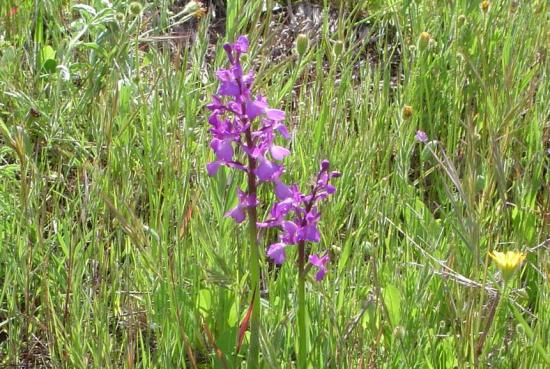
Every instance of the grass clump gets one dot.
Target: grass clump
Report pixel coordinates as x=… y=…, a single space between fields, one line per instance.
x=114 y=251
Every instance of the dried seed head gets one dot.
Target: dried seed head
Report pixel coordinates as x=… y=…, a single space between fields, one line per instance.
x=424 y=39
x=196 y=8
x=407 y=111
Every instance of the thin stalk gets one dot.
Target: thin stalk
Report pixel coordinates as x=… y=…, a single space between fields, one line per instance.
x=254 y=264
x=528 y=331
x=487 y=329
x=302 y=338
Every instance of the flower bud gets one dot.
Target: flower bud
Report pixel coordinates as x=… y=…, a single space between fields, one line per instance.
x=119 y=17
x=191 y=7
x=424 y=39
x=461 y=20
x=136 y=8
x=337 y=48
x=369 y=249
x=485 y=4
x=324 y=165
x=407 y=111
x=302 y=44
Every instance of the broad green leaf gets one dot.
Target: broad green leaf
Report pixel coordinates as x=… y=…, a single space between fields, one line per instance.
x=392 y=299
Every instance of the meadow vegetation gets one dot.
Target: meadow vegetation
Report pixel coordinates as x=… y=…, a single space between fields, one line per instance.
x=114 y=248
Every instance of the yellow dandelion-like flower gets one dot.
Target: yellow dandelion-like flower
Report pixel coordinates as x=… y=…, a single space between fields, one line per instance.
x=508 y=262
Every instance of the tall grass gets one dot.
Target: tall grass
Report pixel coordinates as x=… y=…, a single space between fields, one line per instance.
x=114 y=252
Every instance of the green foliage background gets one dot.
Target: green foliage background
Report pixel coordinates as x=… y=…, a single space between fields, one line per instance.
x=114 y=252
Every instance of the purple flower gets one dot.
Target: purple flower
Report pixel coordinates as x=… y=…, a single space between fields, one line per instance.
x=282 y=191
x=321 y=264
x=277 y=252
x=267 y=170
x=245 y=201
x=421 y=136
x=243 y=129
x=298 y=216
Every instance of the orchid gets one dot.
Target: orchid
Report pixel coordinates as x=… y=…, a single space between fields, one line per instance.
x=233 y=111
x=243 y=129
x=298 y=215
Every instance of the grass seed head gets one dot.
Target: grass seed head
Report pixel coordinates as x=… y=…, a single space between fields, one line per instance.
x=302 y=44
x=338 y=48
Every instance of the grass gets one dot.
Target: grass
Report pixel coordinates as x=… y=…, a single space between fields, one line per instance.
x=114 y=249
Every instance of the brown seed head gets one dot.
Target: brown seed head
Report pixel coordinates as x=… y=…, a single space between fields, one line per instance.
x=407 y=111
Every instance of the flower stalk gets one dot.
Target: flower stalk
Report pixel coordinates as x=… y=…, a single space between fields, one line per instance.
x=243 y=130
x=301 y=314
x=254 y=262
x=303 y=212
x=243 y=127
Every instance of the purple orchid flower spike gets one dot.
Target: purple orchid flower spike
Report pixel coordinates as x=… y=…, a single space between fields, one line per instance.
x=243 y=129
x=298 y=215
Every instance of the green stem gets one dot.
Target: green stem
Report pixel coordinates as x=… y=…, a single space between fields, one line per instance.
x=302 y=338
x=528 y=331
x=254 y=265
x=488 y=325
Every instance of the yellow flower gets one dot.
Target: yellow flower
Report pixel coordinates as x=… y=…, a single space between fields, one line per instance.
x=485 y=6
x=508 y=262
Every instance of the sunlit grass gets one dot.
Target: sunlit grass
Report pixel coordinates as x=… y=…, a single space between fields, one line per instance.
x=114 y=252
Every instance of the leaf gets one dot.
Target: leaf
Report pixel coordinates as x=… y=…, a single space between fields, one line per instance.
x=392 y=299
x=233 y=317
x=205 y=302
x=244 y=324
x=47 y=53
x=47 y=56
x=83 y=8
x=343 y=259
